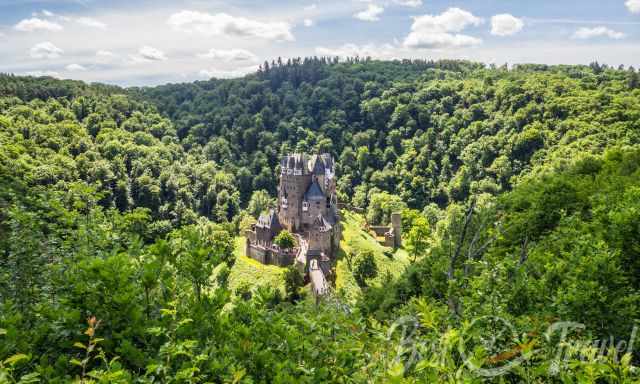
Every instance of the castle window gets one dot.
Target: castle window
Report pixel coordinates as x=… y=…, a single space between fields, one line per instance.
x=305 y=206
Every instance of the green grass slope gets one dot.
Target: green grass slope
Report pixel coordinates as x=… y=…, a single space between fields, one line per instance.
x=251 y=272
x=354 y=240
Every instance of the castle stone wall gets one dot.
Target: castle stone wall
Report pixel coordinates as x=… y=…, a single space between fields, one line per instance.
x=392 y=234
x=379 y=230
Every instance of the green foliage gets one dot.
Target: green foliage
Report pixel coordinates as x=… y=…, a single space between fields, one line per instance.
x=381 y=206
x=428 y=132
x=364 y=267
x=260 y=202
x=122 y=205
x=122 y=148
x=418 y=238
x=198 y=250
x=284 y=240
x=554 y=251
x=247 y=274
x=356 y=239
x=293 y=281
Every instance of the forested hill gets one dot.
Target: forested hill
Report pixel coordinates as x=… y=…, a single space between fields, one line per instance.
x=519 y=189
x=430 y=132
x=28 y=88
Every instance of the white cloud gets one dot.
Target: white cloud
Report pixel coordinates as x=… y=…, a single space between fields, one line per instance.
x=452 y=20
x=145 y=54
x=438 y=31
x=589 y=33
x=75 y=68
x=127 y=34
x=34 y=24
x=409 y=3
x=505 y=25
x=91 y=22
x=151 y=54
x=86 y=21
x=226 y=25
x=387 y=51
x=105 y=54
x=307 y=22
x=226 y=74
x=42 y=73
x=633 y=6
x=372 y=13
x=235 y=54
x=45 y=50
x=311 y=7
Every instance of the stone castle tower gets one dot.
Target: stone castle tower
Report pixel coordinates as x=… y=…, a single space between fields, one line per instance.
x=307 y=206
x=307 y=201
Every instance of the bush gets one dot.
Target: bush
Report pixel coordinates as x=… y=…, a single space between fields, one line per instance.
x=365 y=268
x=284 y=240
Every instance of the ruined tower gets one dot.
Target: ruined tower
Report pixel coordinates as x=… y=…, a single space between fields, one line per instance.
x=396 y=225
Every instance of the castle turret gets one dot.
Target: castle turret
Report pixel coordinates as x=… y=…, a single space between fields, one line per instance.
x=294 y=181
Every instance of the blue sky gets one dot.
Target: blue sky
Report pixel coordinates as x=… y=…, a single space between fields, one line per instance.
x=144 y=42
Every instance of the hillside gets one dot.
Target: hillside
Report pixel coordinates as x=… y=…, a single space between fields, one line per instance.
x=121 y=212
x=430 y=132
x=250 y=273
x=355 y=240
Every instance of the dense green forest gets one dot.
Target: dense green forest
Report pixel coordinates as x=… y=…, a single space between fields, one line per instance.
x=520 y=191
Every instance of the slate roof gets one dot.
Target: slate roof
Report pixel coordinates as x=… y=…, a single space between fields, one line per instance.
x=318 y=165
x=268 y=220
x=320 y=221
x=314 y=191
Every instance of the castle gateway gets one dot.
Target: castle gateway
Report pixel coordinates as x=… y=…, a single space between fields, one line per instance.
x=308 y=208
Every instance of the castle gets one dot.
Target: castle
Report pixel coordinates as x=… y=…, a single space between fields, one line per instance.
x=308 y=208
